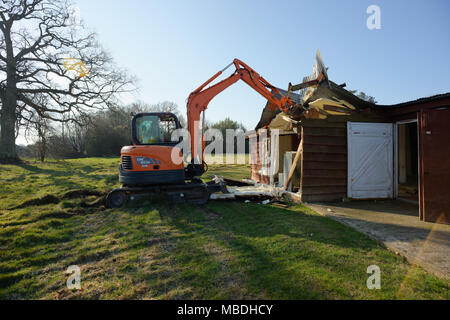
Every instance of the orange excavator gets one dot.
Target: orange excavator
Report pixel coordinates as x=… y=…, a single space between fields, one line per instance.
x=149 y=165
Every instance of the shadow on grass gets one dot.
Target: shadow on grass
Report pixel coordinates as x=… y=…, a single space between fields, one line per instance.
x=65 y=176
x=270 y=247
x=43 y=168
x=223 y=250
x=40 y=170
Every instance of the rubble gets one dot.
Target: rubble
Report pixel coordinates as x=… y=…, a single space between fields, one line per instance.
x=265 y=194
x=256 y=191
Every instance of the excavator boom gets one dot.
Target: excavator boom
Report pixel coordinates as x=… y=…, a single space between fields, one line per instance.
x=200 y=98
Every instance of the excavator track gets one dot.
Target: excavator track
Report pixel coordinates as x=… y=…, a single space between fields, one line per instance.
x=196 y=193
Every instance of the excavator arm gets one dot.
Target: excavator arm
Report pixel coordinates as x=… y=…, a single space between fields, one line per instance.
x=200 y=98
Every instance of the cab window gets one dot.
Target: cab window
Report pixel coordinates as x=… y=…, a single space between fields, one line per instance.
x=151 y=129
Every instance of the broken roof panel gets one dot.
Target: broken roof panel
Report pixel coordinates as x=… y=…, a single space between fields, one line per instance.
x=332 y=90
x=268 y=114
x=319 y=96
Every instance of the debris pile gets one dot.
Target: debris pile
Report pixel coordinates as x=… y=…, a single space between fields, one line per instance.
x=256 y=191
x=249 y=190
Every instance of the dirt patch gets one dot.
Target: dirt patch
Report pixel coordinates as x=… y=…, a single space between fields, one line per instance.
x=48 y=199
x=59 y=215
x=98 y=203
x=73 y=194
x=9 y=160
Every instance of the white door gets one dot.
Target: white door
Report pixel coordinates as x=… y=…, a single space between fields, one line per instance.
x=370 y=160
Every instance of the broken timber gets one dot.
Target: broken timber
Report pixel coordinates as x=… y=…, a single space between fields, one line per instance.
x=257 y=191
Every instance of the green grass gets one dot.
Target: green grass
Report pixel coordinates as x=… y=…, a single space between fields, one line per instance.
x=153 y=249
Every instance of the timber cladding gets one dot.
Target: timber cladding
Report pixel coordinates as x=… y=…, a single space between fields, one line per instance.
x=324 y=161
x=324 y=157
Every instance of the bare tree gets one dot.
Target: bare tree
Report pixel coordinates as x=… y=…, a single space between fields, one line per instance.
x=76 y=136
x=44 y=130
x=43 y=54
x=363 y=96
x=165 y=106
x=169 y=106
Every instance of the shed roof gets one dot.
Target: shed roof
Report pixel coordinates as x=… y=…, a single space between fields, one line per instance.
x=417 y=101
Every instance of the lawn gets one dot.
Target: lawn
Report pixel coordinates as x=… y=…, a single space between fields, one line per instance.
x=153 y=249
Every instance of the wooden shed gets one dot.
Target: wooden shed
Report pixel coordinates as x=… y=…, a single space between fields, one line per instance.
x=350 y=148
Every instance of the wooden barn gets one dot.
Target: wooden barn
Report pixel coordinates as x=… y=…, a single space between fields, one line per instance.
x=343 y=147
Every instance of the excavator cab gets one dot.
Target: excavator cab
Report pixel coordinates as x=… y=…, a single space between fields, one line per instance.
x=150 y=160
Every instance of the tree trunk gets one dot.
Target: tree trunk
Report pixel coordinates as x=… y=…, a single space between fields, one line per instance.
x=42 y=143
x=9 y=104
x=7 y=136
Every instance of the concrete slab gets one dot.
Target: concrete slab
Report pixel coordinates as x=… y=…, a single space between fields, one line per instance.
x=396 y=224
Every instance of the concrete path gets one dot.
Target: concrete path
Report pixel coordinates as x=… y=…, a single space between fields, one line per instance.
x=397 y=225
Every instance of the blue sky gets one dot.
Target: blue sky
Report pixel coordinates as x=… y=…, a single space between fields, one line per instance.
x=174 y=46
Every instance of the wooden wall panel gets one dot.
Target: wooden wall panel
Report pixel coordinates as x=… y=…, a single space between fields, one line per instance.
x=324 y=160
